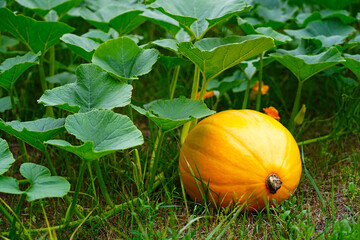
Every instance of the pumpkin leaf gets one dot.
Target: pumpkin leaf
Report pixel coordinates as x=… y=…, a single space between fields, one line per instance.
x=34 y=132
x=43 y=6
x=167 y=43
x=169 y=24
x=215 y=55
x=123 y=17
x=6 y=157
x=9 y=185
x=102 y=132
x=303 y=19
x=199 y=16
x=123 y=58
x=94 y=89
x=100 y=36
x=38 y=36
x=277 y=16
x=62 y=78
x=42 y=184
x=353 y=63
x=330 y=32
x=5 y=103
x=7 y=42
x=171 y=114
x=279 y=38
x=82 y=46
x=303 y=65
x=128 y=19
x=170 y=62
x=12 y=68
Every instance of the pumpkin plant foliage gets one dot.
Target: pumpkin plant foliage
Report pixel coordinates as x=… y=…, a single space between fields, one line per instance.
x=42 y=184
x=6 y=157
x=123 y=58
x=101 y=131
x=38 y=36
x=93 y=89
x=12 y=68
x=171 y=114
x=215 y=55
x=83 y=46
x=34 y=132
x=199 y=16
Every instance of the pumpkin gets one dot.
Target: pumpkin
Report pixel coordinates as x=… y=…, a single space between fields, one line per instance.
x=240 y=157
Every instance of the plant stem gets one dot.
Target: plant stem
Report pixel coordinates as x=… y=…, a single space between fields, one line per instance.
x=13 y=105
x=23 y=150
x=201 y=97
x=42 y=74
x=49 y=110
x=291 y=124
x=92 y=178
x=247 y=92
x=49 y=162
x=318 y=139
x=174 y=81
x=102 y=184
x=52 y=64
x=71 y=209
x=194 y=90
x=154 y=160
x=258 y=98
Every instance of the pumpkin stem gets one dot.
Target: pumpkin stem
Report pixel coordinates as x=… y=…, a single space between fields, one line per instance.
x=273 y=183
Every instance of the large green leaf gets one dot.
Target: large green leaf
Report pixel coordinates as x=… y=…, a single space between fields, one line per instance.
x=164 y=21
x=82 y=46
x=42 y=184
x=12 y=68
x=36 y=35
x=34 y=132
x=303 y=19
x=198 y=16
x=7 y=42
x=102 y=132
x=353 y=63
x=330 y=32
x=5 y=103
x=128 y=19
x=279 y=38
x=94 y=89
x=6 y=157
x=215 y=55
x=277 y=16
x=171 y=114
x=43 y=6
x=124 y=58
x=123 y=17
x=62 y=78
x=303 y=65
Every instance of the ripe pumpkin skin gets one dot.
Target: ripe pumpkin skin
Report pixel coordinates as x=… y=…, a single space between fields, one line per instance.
x=235 y=151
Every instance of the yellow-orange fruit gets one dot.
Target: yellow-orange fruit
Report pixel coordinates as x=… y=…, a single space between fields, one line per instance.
x=243 y=156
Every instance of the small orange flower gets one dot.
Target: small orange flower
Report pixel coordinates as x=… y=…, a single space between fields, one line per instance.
x=207 y=95
x=272 y=112
x=264 y=88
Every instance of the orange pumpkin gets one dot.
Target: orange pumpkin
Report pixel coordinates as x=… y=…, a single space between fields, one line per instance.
x=240 y=156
